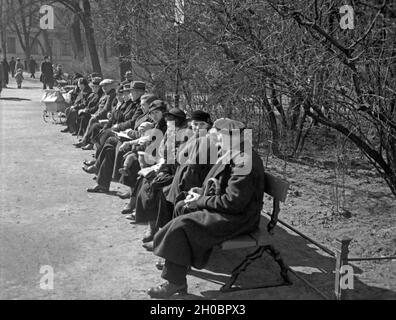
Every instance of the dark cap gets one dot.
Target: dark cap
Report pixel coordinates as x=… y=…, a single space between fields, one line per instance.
x=96 y=81
x=77 y=76
x=158 y=105
x=177 y=113
x=138 y=85
x=95 y=75
x=200 y=115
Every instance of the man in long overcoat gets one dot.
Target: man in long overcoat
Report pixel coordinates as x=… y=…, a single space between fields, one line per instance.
x=12 y=66
x=231 y=209
x=47 y=73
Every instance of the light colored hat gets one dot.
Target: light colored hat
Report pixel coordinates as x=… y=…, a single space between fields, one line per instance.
x=228 y=124
x=108 y=82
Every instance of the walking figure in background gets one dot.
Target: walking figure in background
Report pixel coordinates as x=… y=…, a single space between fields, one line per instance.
x=1 y=76
x=19 y=78
x=12 y=66
x=19 y=65
x=6 y=70
x=32 y=68
x=47 y=74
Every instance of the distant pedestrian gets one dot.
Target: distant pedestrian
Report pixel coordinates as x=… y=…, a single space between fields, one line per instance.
x=47 y=73
x=6 y=70
x=1 y=76
x=19 y=65
x=19 y=78
x=32 y=67
x=12 y=66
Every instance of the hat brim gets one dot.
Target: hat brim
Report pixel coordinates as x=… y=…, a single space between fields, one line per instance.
x=167 y=114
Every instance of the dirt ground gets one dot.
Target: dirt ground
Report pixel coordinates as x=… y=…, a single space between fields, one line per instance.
x=48 y=218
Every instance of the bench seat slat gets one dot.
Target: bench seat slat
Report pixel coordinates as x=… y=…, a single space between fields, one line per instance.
x=245 y=241
x=256 y=238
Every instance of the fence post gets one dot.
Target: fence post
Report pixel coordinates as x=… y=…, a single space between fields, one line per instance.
x=342 y=250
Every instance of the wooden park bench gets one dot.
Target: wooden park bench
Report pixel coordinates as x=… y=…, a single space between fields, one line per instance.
x=261 y=239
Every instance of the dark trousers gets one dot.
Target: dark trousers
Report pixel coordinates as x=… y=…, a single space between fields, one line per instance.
x=83 y=120
x=165 y=212
x=32 y=76
x=88 y=132
x=174 y=273
x=119 y=162
x=71 y=120
x=101 y=138
x=105 y=164
x=49 y=84
x=131 y=179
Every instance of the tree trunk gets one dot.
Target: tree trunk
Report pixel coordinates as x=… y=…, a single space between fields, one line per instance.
x=77 y=42
x=124 y=60
x=86 y=19
x=273 y=126
x=47 y=46
x=3 y=43
x=104 y=51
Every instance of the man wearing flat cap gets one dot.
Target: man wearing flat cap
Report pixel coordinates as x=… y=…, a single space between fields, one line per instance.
x=229 y=208
x=91 y=107
x=104 y=107
x=136 y=90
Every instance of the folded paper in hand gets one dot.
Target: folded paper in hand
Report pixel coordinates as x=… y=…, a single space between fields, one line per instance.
x=123 y=135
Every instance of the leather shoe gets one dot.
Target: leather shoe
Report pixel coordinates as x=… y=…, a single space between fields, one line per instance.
x=126 y=195
x=74 y=134
x=160 y=264
x=90 y=170
x=130 y=207
x=79 y=144
x=131 y=216
x=65 y=130
x=88 y=147
x=150 y=232
x=149 y=246
x=97 y=189
x=89 y=163
x=167 y=290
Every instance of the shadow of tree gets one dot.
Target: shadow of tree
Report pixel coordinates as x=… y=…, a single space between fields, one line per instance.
x=306 y=261
x=15 y=99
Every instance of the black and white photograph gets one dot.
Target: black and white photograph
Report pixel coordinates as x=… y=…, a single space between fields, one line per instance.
x=204 y=153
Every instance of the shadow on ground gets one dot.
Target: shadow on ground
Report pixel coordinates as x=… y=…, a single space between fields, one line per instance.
x=306 y=261
x=14 y=99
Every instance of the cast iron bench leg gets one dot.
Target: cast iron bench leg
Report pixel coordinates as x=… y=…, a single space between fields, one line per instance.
x=250 y=258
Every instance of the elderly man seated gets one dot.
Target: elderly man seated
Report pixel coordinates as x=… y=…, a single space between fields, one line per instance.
x=109 y=87
x=229 y=205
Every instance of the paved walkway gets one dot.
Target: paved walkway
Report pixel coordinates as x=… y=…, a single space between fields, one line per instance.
x=48 y=219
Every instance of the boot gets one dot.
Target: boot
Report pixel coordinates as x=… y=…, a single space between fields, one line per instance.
x=167 y=290
x=150 y=232
x=88 y=147
x=130 y=207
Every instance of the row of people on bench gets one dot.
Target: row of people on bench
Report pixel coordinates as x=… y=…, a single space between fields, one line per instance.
x=189 y=207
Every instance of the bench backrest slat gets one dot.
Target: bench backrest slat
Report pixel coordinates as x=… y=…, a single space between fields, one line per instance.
x=275 y=187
